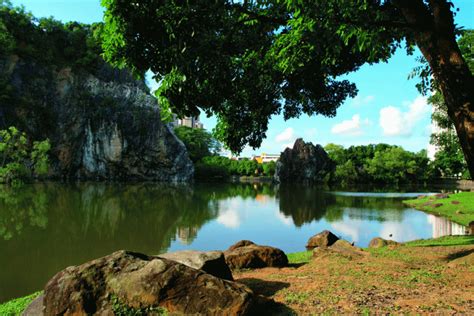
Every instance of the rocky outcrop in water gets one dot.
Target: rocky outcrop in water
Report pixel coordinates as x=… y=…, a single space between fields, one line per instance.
x=305 y=162
x=102 y=124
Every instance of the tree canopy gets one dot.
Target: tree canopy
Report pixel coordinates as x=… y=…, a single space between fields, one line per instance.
x=248 y=60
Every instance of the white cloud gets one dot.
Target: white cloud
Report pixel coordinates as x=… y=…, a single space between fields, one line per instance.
x=311 y=132
x=351 y=127
x=229 y=218
x=286 y=135
x=358 y=100
x=394 y=122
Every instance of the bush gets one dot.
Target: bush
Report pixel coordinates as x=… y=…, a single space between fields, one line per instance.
x=21 y=159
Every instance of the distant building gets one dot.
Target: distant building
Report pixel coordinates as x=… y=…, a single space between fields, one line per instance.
x=264 y=158
x=192 y=122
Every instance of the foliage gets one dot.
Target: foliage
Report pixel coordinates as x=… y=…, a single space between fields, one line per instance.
x=449 y=159
x=248 y=60
x=21 y=159
x=379 y=163
x=48 y=41
x=17 y=306
x=457 y=207
x=198 y=142
x=218 y=167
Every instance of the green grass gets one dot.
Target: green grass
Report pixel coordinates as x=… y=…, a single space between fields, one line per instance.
x=442 y=241
x=18 y=305
x=299 y=257
x=462 y=213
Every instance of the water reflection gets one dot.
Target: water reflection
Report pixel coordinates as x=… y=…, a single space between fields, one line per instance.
x=47 y=227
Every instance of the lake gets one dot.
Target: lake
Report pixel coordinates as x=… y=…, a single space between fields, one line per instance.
x=46 y=227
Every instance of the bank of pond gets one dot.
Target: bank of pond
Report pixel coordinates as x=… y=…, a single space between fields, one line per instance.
x=56 y=225
x=332 y=275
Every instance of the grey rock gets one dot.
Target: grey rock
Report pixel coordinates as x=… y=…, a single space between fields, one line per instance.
x=304 y=163
x=212 y=262
x=341 y=248
x=35 y=308
x=379 y=242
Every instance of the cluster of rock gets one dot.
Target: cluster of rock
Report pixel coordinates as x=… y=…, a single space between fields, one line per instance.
x=305 y=163
x=183 y=282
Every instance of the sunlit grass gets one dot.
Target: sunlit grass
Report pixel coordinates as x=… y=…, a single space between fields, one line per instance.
x=458 y=207
x=18 y=305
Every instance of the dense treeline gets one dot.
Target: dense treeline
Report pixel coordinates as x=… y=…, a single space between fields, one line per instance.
x=218 y=167
x=381 y=163
x=48 y=41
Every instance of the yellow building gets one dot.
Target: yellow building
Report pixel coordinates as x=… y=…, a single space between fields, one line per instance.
x=264 y=158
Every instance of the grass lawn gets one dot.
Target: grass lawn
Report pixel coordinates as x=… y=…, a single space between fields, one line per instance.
x=18 y=305
x=458 y=207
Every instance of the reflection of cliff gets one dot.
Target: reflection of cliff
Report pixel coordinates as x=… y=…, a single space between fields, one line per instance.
x=306 y=204
x=56 y=225
x=444 y=227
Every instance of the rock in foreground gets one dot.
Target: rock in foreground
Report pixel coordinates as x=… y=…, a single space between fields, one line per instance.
x=143 y=283
x=212 y=262
x=248 y=255
x=304 y=163
x=323 y=239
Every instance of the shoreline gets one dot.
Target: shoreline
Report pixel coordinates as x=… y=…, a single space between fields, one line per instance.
x=299 y=262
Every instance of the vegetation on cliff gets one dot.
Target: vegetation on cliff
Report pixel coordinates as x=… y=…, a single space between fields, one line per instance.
x=20 y=158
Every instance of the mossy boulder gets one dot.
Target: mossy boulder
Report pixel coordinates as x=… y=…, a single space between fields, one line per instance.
x=137 y=282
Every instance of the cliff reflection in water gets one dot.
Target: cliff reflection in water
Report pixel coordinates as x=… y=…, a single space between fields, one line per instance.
x=49 y=226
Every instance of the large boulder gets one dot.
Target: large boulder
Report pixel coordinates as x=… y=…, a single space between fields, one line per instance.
x=101 y=122
x=323 y=239
x=126 y=281
x=248 y=255
x=379 y=242
x=305 y=162
x=212 y=262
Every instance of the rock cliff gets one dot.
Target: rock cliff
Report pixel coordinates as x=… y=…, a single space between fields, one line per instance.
x=102 y=124
x=305 y=162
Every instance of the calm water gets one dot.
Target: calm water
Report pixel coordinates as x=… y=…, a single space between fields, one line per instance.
x=47 y=227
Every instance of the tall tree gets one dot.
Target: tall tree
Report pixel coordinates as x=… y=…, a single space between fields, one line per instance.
x=248 y=60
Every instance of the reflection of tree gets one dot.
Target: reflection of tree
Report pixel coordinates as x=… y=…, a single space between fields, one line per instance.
x=20 y=207
x=306 y=204
x=371 y=208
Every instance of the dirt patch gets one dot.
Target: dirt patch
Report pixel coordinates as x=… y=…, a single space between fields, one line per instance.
x=399 y=280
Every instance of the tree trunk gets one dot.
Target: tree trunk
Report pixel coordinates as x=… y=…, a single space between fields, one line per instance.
x=437 y=41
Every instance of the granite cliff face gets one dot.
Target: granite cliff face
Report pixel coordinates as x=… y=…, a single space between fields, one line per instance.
x=102 y=124
x=305 y=162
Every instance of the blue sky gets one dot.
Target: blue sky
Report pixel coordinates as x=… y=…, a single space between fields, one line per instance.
x=387 y=109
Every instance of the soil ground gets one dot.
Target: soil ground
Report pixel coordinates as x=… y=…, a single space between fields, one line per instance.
x=395 y=279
